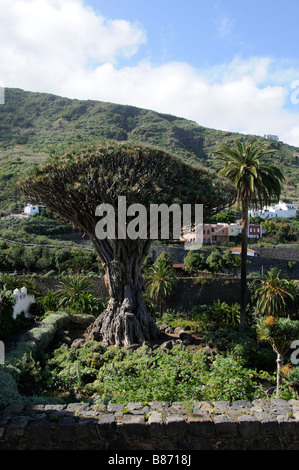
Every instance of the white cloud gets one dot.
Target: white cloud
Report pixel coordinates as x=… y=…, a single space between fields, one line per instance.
x=63 y=47
x=44 y=41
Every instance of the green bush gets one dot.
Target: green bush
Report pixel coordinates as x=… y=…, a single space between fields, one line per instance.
x=37 y=309
x=30 y=378
x=173 y=375
x=7 y=322
x=70 y=367
x=146 y=374
x=37 y=338
x=231 y=381
x=292 y=379
x=9 y=392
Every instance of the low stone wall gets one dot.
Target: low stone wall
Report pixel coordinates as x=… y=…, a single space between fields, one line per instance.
x=156 y=426
x=189 y=292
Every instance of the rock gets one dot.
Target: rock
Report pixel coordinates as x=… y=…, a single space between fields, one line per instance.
x=133 y=347
x=63 y=337
x=186 y=338
x=179 y=330
x=167 y=345
x=78 y=343
x=169 y=329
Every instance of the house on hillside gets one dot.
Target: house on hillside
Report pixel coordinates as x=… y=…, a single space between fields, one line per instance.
x=282 y=209
x=271 y=137
x=254 y=231
x=216 y=234
x=211 y=234
x=237 y=251
x=32 y=209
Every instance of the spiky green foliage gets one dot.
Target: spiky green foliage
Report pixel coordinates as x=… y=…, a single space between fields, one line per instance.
x=76 y=182
x=275 y=294
x=247 y=168
x=161 y=282
x=70 y=290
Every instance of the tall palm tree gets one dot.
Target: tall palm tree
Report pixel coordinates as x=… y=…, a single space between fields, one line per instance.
x=160 y=281
x=257 y=183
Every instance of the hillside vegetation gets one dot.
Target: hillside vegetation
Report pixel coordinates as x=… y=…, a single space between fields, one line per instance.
x=34 y=125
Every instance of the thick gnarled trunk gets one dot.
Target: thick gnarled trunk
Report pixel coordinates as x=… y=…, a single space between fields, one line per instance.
x=121 y=325
x=125 y=321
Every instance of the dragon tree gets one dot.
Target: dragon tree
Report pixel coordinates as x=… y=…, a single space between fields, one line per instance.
x=75 y=183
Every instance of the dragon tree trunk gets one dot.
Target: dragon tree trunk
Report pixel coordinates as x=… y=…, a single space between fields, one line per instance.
x=125 y=321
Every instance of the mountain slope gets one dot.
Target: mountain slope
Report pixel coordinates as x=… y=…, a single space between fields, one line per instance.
x=32 y=125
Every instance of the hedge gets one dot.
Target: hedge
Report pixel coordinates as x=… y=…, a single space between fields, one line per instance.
x=32 y=342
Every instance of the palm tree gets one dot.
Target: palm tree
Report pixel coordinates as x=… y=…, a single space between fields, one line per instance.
x=257 y=183
x=71 y=289
x=275 y=294
x=280 y=333
x=161 y=281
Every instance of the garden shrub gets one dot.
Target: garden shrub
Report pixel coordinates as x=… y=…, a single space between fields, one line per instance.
x=6 y=314
x=37 y=309
x=245 y=347
x=8 y=389
x=146 y=374
x=230 y=380
x=292 y=379
x=178 y=374
x=30 y=379
x=70 y=367
x=37 y=338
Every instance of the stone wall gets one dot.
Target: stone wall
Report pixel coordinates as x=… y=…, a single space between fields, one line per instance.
x=188 y=293
x=156 y=426
x=267 y=258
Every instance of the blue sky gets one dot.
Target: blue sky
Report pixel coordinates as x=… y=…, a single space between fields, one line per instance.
x=206 y=33
x=225 y=64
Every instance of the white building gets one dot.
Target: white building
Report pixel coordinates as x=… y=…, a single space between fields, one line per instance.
x=23 y=302
x=31 y=209
x=282 y=209
x=271 y=137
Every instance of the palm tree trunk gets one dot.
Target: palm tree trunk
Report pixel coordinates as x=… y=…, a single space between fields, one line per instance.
x=243 y=301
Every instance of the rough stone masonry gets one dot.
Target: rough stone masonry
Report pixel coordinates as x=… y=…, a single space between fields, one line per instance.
x=242 y=425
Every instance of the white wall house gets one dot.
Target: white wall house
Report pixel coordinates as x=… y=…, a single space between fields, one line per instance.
x=23 y=301
x=271 y=137
x=282 y=209
x=32 y=209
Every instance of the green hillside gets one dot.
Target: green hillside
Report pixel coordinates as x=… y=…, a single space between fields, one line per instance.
x=32 y=125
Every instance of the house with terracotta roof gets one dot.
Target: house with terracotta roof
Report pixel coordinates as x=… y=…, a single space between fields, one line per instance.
x=237 y=251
